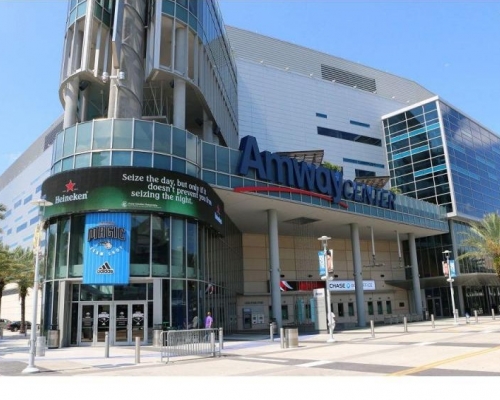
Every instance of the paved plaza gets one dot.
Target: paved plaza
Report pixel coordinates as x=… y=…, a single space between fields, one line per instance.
x=466 y=350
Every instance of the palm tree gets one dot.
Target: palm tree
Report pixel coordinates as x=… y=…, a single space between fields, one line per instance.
x=23 y=272
x=484 y=240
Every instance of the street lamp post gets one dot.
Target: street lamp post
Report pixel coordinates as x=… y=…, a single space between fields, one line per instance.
x=450 y=279
x=30 y=369
x=324 y=240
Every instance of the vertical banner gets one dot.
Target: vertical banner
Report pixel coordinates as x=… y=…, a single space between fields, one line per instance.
x=322 y=266
x=106 y=258
x=329 y=261
x=453 y=272
x=445 y=268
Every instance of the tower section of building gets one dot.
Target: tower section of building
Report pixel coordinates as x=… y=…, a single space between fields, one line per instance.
x=136 y=240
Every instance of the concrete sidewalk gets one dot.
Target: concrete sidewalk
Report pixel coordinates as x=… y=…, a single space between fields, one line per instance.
x=443 y=350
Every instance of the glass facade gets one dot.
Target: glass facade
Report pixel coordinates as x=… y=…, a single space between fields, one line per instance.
x=416 y=155
x=474 y=159
x=198 y=269
x=439 y=155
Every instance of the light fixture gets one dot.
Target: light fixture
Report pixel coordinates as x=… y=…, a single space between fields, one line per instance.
x=42 y=204
x=450 y=279
x=324 y=240
x=374 y=263
x=106 y=76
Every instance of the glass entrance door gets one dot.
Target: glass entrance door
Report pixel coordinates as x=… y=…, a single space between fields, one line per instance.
x=94 y=323
x=129 y=323
x=123 y=321
x=87 y=323
x=103 y=319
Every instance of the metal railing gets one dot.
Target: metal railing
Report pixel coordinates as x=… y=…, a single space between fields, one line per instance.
x=192 y=342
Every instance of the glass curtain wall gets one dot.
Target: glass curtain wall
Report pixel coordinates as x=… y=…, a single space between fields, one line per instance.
x=201 y=270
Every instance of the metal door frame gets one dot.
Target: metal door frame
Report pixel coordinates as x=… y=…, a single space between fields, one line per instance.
x=130 y=304
x=112 y=322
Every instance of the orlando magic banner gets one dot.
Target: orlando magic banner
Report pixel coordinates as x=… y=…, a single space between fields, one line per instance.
x=107 y=249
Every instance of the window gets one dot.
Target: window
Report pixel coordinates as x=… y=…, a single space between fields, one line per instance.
x=350 y=307
x=388 y=307
x=284 y=312
x=380 y=310
x=340 y=308
x=370 y=308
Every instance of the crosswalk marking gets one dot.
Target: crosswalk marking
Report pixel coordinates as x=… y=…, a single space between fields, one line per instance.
x=263 y=359
x=314 y=364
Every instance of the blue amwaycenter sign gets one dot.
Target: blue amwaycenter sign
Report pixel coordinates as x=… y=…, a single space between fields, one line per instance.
x=282 y=170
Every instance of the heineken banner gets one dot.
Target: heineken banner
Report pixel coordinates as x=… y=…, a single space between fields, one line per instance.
x=107 y=249
x=125 y=189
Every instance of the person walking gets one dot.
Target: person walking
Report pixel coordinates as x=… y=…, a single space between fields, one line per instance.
x=208 y=325
x=208 y=321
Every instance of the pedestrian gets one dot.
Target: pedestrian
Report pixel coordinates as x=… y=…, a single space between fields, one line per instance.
x=208 y=321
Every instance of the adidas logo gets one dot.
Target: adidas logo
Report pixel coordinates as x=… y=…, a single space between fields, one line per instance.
x=105 y=269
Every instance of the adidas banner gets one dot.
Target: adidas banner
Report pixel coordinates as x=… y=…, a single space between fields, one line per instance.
x=106 y=258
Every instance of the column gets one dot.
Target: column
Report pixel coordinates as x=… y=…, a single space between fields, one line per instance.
x=358 y=275
x=70 y=102
x=208 y=129
x=180 y=83
x=414 y=274
x=274 y=266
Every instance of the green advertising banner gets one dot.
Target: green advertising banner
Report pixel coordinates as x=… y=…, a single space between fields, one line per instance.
x=132 y=189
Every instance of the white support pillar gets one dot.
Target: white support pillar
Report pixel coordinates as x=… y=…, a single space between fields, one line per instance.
x=208 y=129
x=414 y=274
x=358 y=275
x=70 y=102
x=274 y=266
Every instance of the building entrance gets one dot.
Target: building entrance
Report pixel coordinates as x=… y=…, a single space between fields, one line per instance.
x=434 y=306
x=123 y=321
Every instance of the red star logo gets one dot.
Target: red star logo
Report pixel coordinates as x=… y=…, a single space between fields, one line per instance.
x=70 y=186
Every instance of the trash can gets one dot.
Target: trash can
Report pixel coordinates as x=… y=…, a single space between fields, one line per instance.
x=157 y=337
x=40 y=345
x=53 y=339
x=292 y=337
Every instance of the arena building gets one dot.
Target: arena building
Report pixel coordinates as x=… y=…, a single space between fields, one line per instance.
x=191 y=172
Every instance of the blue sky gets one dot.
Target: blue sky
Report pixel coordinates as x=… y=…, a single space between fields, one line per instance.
x=449 y=47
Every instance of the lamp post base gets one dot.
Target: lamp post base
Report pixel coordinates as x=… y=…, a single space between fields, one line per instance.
x=30 y=370
x=331 y=340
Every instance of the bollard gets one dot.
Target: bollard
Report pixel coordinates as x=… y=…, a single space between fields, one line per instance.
x=212 y=342
x=106 y=345
x=493 y=314
x=475 y=314
x=372 y=326
x=432 y=321
x=405 y=325
x=271 y=332
x=467 y=316
x=221 y=339
x=137 y=350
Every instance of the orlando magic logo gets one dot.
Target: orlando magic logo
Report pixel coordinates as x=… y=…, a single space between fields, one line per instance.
x=106 y=239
